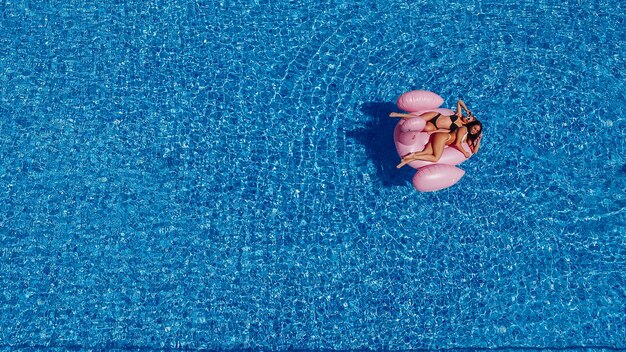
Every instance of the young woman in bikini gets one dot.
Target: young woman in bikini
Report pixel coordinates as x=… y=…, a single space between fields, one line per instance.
x=471 y=132
x=436 y=121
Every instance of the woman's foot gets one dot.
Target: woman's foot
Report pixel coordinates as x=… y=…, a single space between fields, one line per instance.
x=397 y=114
x=407 y=159
x=404 y=162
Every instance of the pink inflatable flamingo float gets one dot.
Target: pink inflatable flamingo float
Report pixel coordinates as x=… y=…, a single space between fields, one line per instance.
x=409 y=137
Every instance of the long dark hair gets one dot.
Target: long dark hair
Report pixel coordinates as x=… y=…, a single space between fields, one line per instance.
x=470 y=136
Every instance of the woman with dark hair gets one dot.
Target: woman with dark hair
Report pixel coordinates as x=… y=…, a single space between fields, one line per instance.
x=436 y=121
x=470 y=133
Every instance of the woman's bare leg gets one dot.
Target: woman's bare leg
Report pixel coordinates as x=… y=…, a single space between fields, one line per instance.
x=401 y=115
x=432 y=151
x=429 y=127
x=429 y=115
x=426 y=116
x=438 y=143
x=428 y=150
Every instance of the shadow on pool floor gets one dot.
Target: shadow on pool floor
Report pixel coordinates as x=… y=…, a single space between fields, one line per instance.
x=376 y=135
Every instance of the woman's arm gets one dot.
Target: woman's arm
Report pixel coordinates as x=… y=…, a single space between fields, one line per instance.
x=476 y=145
x=460 y=133
x=460 y=106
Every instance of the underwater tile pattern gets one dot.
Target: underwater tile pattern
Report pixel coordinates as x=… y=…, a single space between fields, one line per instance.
x=221 y=175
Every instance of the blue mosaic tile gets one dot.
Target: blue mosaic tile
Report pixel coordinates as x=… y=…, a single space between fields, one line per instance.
x=221 y=175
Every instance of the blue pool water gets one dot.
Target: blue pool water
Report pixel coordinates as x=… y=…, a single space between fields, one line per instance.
x=221 y=175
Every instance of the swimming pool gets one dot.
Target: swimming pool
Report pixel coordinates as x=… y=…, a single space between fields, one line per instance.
x=221 y=175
